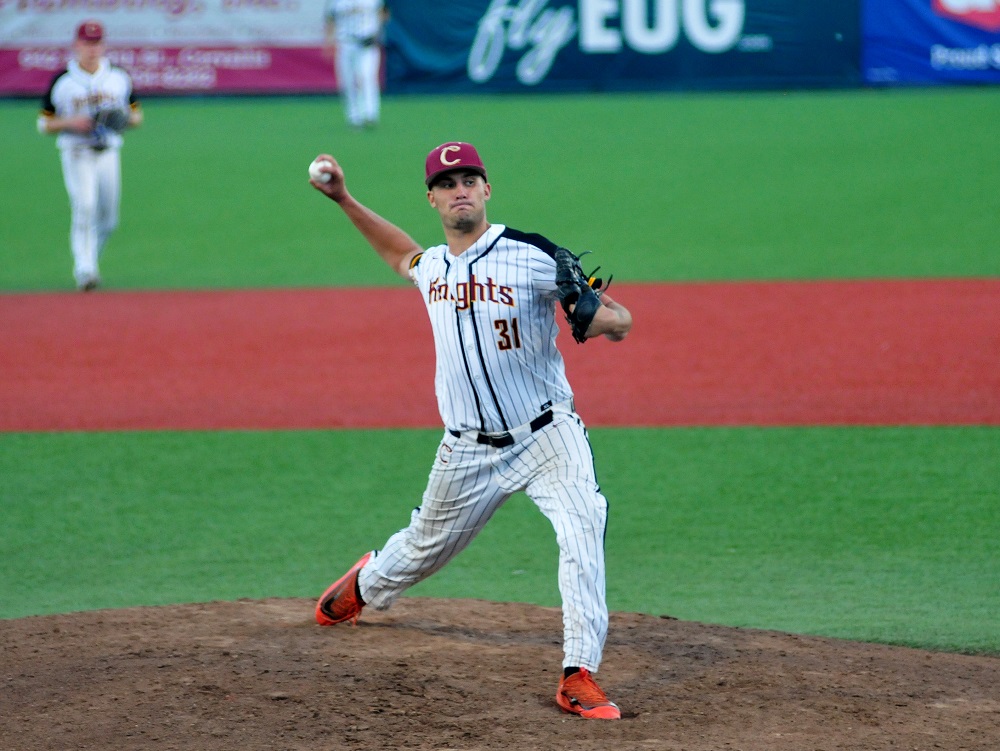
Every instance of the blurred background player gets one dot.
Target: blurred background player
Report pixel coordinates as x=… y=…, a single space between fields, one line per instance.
x=354 y=44
x=90 y=154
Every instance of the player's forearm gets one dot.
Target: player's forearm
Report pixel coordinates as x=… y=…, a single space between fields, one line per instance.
x=613 y=321
x=392 y=244
x=56 y=124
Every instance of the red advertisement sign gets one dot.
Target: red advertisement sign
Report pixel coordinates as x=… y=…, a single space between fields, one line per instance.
x=983 y=14
x=173 y=46
x=169 y=70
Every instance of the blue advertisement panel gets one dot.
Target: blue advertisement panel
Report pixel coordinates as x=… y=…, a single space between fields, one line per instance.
x=931 y=41
x=597 y=45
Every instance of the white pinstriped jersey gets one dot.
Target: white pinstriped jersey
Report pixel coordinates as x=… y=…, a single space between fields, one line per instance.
x=492 y=311
x=77 y=92
x=356 y=19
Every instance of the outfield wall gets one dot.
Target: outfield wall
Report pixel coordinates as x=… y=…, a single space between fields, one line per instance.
x=505 y=45
x=931 y=41
x=274 y=46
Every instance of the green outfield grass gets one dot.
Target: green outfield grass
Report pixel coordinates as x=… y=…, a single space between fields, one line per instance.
x=880 y=534
x=797 y=185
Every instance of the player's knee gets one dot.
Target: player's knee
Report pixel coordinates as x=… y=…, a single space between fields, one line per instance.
x=84 y=210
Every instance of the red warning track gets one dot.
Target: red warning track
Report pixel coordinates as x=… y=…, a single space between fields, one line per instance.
x=814 y=353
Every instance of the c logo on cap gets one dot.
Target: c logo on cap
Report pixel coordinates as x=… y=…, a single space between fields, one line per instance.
x=444 y=155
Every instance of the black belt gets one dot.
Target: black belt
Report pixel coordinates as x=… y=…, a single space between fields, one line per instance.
x=502 y=440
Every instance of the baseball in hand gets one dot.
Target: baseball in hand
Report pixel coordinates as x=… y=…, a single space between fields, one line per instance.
x=315 y=174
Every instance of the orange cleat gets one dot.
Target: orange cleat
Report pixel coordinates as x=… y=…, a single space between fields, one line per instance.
x=579 y=694
x=340 y=601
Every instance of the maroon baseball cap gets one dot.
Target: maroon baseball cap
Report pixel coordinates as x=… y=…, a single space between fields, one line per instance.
x=90 y=31
x=452 y=156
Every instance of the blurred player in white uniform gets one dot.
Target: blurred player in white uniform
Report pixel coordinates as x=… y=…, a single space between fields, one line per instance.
x=354 y=42
x=507 y=407
x=90 y=155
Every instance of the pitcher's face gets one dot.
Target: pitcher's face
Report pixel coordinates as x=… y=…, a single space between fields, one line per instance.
x=460 y=198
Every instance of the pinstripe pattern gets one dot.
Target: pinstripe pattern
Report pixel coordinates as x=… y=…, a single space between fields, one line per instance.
x=469 y=482
x=492 y=311
x=497 y=361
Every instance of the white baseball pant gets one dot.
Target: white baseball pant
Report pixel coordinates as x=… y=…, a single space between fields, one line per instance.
x=358 y=78
x=93 y=182
x=469 y=482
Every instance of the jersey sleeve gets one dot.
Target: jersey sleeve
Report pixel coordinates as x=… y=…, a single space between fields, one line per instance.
x=48 y=106
x=541 y=259
x=543 y=271
x=414 y=272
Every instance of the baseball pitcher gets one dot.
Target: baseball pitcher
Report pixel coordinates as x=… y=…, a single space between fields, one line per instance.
x=492 y=294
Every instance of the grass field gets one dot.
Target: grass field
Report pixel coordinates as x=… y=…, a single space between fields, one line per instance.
x=678 y=187
x=883 y=534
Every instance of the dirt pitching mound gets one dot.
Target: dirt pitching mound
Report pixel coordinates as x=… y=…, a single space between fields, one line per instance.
x=461 y=674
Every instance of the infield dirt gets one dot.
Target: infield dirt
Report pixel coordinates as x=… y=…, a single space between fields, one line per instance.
x=816 y=353
x=461 y=674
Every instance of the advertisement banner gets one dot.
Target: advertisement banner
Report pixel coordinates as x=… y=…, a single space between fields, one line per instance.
x=931 y=41
x=234 y=46
x=172 y=46
x=594 y=45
